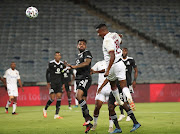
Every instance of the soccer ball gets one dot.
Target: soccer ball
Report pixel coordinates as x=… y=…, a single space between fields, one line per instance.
x=31 y=12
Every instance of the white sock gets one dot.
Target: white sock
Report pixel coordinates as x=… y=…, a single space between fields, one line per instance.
x=111 y=123
x=14 y=107
x=127 y=93
x=76 y=102
x=8 y=103
x=95 y=120
x=117 y=97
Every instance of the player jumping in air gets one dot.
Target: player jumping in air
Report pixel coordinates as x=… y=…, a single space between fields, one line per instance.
x=103 y=96
x=130 y=64
x=83 y=80
x=11 y=77
x=54 y=76
x=115 y=70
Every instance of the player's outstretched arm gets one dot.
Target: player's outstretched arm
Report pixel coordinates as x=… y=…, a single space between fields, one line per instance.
x=96 y=72
x=104 y=84
x=83 y=64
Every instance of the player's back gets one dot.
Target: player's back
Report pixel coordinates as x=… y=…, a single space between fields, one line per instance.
x=112 y=40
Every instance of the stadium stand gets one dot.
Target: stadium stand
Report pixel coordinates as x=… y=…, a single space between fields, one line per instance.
x=31 y=43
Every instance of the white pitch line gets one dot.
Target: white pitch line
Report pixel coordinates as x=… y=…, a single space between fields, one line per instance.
x=103 y=111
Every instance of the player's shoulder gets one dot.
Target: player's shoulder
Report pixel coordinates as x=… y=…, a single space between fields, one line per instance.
x=130 y=58
x=52 y=61
x=86 y=51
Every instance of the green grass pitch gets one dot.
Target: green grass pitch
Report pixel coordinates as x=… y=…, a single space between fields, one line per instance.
x=155 y=118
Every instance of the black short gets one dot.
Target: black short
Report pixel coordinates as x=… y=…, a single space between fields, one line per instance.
x=67 y=87
x=83 y=85
x=55 y=88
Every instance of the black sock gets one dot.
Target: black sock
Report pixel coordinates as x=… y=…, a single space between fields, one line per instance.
x=48 y=104
x=121 y=109
x=131 y=115
x=114 y=118
x=84 y=108
x=58 y=105
x=69 y=101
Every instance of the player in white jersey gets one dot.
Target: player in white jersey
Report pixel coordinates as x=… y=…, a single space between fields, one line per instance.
x=103 y=96
x=116 y=70
x=11 y=77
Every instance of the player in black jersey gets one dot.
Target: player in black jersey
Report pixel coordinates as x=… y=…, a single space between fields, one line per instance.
x=130 y=64
x=67 y=75
x=83 y=80
x=54 y=77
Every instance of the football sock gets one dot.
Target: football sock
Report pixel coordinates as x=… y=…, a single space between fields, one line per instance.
x=8 y=103
x=132 y=116
x=127 y=93
x=114 y=118
x=14 y=106
x=69 y=101
x=110 y=122
x=76 y=102
x=117 y=97
x=95 y=119
x=48 y=104
x=84 y=108
x=121 y=109
x=58 y=105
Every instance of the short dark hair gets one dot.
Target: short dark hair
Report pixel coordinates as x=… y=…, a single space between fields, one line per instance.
x=125 y=48
x=57 y=52
x=82 y=40
x=100 y=26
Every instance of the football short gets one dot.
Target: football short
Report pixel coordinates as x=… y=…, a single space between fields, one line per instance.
x=104 y=94
x=83 y=85
x=117 y=71
x=55 y=88
x=12 y=92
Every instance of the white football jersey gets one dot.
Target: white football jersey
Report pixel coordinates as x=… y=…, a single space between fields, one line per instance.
x=98 y=67
x=112 y=42
x=11 y=78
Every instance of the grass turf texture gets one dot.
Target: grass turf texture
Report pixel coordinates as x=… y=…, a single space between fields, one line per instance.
x=155 y=118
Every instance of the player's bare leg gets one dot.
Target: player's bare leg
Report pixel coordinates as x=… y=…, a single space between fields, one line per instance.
x=58 y=105
x=52 y=98
x=127 y=93
x=85 y=111
x=8 y=103
x=14 y=106
x=115 y=92
x=98 y=105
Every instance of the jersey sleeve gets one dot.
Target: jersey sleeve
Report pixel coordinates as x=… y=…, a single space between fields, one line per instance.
x=18 y=76
x=109 y=45
x=6 y=73
x=88 y=55
x=95 y=67
x=134 y=63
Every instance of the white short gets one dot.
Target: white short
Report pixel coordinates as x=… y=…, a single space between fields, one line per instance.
x=104 y=94
x=117 y=71
x=12 y=92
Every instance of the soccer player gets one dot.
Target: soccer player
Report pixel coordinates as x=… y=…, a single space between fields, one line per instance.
x=54 y=77
x=115 y=70
x=11 y=77
x=103 y=96
x=83 y=80
x=130 y=64
x=68 y=73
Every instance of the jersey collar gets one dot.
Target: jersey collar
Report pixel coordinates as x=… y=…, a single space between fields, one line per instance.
x=125 y=59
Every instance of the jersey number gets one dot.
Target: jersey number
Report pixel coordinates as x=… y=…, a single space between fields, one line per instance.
x=117 y=47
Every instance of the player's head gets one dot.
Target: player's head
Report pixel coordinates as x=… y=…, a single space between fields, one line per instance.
x=81 y=45
x=102 y=30
x=125 y=52
x=57 y=56
x=13 y=65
